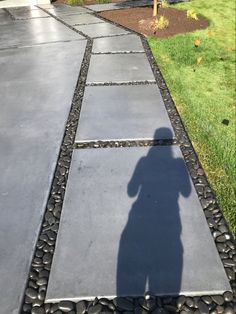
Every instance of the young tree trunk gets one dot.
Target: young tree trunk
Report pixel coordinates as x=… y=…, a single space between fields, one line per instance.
x=154 y=8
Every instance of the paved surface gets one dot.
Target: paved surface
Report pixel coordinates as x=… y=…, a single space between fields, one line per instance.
x=65 y=10
x=80 y=19
x=117 y=200
x=24 y=13
x=154 y=243
x=35 y=31
x=119 y=68
x=143 y=217
x=101 y=29
x=117 y=44
x=117 y=6
x=127 y=112
x=36 y=92
x=16 y=3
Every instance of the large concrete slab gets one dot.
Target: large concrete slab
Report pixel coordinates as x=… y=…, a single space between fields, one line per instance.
x=102 y=29
x=131 y=223
x=23 y=13
x=81 y=19
x=129 y=43
x=123 y=113
x=36 y=93
x=119 y=68
x=35 y=31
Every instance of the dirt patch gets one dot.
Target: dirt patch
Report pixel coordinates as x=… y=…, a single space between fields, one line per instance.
x=137 y=19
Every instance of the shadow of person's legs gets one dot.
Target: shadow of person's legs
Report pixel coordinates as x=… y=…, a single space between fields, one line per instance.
x=150 y=254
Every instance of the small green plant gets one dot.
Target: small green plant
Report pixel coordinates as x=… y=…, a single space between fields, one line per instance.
x=158 y=23
x=103 y=1
x=191 y=14
x=162 y=22
x=164 y=4
x=75 y=2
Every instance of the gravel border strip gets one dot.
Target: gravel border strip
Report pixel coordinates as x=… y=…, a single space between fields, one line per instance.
x=114 y=35
x=124 y=143
x=86 y=23
x=119 y=52
x=41 y=264
x=149 y=82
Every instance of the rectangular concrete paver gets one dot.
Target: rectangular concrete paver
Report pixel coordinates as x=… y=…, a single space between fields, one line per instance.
x=132 y=222
x=36 y=94
x=81 y=19
x=123 y=113
x=27 y=13
x=50 y=6
x=117 y=6
x=102 y=29
x=129 y=43
x=104 y=7
x=119 y=68
x=35 y=31
x=60 y=11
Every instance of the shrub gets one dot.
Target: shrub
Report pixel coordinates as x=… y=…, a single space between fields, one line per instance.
x=162 y=22
x=75 y=2
x=192 y=15
x=164 y=4
x=103 y=1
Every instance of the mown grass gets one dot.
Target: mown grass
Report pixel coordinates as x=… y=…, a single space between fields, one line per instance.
x=205 y=93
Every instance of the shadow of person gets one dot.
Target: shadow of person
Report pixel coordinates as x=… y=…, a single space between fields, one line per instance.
x=150 y=256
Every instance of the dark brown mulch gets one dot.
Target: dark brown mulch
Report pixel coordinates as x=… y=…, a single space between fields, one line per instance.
x=178 y=21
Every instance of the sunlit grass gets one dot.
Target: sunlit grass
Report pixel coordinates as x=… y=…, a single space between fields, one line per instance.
x=205 y=93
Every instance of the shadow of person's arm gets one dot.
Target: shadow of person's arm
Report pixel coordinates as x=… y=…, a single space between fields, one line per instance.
x=185 y=189
x=136 y=179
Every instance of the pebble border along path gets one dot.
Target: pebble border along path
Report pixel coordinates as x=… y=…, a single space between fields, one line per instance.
x=38 y=277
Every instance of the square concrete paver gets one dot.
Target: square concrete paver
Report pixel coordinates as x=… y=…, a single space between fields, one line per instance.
x=123 y=113
x=100 y=30
x=129 y=43
x=131 y=223
x=35 y=31
x=36 y=94
x=27 y=13
x=119 y=68
x=81 y=19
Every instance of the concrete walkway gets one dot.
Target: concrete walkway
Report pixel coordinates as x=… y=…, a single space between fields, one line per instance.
x=132 y=221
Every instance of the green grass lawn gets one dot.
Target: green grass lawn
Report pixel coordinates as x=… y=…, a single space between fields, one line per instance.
x=204 y=93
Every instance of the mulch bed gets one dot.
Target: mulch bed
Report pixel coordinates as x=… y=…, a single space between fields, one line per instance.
x=178 y=21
